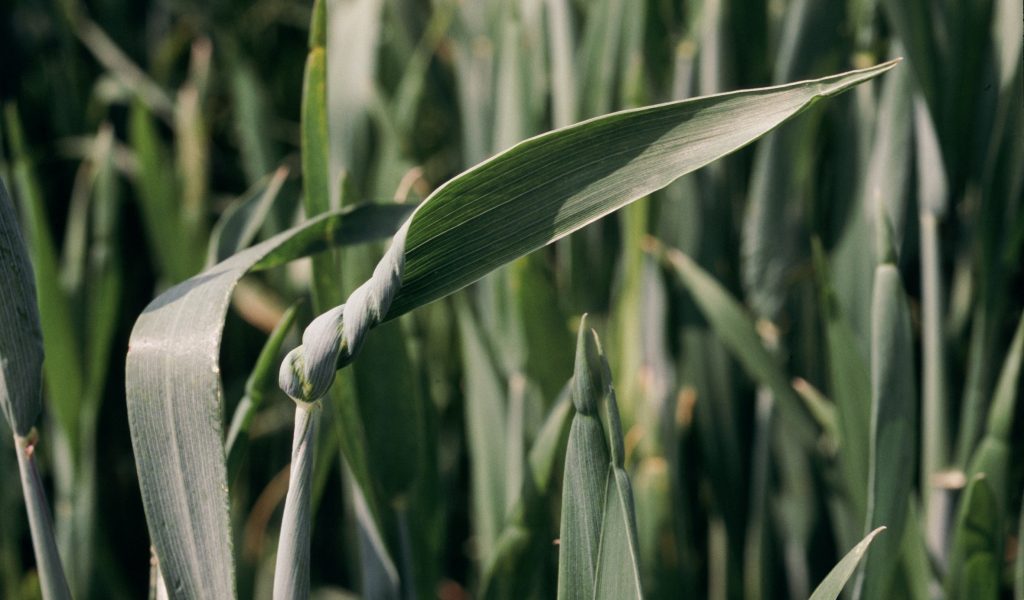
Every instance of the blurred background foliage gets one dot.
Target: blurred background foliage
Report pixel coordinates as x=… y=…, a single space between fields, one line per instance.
x=736 y=305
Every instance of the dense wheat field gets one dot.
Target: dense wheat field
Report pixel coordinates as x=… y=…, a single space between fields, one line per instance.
x=288 y=311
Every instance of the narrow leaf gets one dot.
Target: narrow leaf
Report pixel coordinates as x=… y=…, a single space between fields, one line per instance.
x=976 y=557
x=586 y=473
x=51 y=572
x=63 y=366
x=157 y=193
x=850 y=388
x=738 y=332
x=835 y=581
x=993 y=455
x=485 y=431
x=262 y=380
x=238 y=226
x=315 y=141
x=1018 y=568
x=21 y=338
x=893 y=429
x=599 y=554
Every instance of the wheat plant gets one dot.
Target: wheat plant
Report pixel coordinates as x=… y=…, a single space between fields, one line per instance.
x=289 y=293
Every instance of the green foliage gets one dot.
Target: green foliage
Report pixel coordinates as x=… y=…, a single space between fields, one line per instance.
x=779 y=393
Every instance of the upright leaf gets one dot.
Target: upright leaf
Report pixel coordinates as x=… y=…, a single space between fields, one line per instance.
x=21 y=357
x=586 y=473
x=598 y=551
x=992 y=458
x=893 y=429
x=976 y=556
x=849 y=387
x=21 y=338
x=486 y=431
x=291 y=572
x=63 y=367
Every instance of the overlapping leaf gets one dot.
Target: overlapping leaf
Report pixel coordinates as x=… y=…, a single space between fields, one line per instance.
x=175 y=405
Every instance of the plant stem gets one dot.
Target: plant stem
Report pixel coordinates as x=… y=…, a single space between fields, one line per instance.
x=291 y=573
x=934 y=410
x=51 y=572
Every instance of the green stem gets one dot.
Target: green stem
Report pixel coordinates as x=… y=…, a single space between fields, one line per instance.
x=291 y=573
x=935 y=442
x=51 y=571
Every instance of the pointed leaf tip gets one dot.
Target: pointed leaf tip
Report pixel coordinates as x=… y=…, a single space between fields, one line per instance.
x=587 y=381
x=836 y=580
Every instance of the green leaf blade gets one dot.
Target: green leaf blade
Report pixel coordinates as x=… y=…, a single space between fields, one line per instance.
x=587 y=463
x=175 y=402
x=835 y=581
x=893 y=429
x=975 y=557
x=599 y=553
x=551 y=185
x=21 y=338
x=618 y=571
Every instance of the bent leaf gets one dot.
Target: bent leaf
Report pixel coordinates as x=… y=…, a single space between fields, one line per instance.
x=175 y=402
x=550 y=185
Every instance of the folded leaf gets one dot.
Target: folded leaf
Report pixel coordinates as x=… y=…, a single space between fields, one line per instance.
x=175 y=402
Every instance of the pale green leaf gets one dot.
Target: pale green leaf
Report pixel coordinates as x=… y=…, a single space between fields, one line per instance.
x=598 y=550
x=486 y=431
x=517 y=548
x=835 y=581
x=850 y=387
x=252 y=115
x=175 y=401
x=51 y=572
x=618 y=571
x=584 y=486
x=291 y=572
